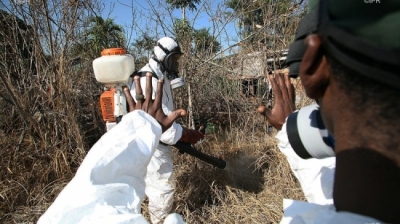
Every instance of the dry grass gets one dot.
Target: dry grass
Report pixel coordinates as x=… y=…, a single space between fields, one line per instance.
x=249 y=190
x=50 y=117
x=35 y=166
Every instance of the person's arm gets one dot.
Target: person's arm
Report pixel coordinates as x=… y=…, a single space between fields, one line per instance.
x=109 y=184
x=315 y=175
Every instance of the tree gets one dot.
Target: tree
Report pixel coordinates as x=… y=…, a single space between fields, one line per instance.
x=142 y=49
x=266 y=22
x=183 y=29
x=204 y=42
x=186 y=33
x=15 y=38
x=201 y=39
x=183 y=4
x=101 y=34
x=105 y=33
x=16 y=45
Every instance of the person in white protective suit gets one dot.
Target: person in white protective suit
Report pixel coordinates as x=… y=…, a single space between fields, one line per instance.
x=109 y=184
x=160 y=180
x=315 y=175
x=346 y=64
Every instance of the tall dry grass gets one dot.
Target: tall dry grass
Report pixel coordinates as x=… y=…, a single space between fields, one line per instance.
x=50 y=117
x=249 y=190
x=252 y=187
x=49 y=111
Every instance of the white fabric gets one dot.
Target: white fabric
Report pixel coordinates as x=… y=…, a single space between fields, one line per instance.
x=160 y=179
x=168 y=43
x=109 y=185
x=316 y=178
x=315 y=175
x=173 y=218
x=155 y=66
x=300 y=212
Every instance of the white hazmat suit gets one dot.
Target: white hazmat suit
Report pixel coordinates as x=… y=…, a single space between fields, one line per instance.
x=160 y=180
x=316 y=177
x=109 y=185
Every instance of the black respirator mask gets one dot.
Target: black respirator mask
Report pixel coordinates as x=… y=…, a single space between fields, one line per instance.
x=171 y=66
x=306 y=132
x=308 y=135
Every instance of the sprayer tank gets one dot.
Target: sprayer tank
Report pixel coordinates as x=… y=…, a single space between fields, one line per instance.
x=113 y=68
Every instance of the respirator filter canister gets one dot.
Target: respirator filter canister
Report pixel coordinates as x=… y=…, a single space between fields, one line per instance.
x=177 y=82
x=307 y=134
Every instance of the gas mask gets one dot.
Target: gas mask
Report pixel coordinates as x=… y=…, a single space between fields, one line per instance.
x=307 y=134
x=171 y=66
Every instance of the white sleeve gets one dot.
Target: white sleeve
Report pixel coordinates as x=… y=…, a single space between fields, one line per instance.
x=315 y=175
x=109 y=184
x=300 y=212
x=172 y=134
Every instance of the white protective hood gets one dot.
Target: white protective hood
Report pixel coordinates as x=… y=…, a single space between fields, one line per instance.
x=169 y=44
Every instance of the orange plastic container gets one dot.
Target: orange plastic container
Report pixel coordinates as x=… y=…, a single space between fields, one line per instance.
x=107 y=105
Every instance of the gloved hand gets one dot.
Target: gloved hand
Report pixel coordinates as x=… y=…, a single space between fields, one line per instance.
x=191 y=136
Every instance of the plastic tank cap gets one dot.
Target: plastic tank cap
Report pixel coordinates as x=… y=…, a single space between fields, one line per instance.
x=113 y=51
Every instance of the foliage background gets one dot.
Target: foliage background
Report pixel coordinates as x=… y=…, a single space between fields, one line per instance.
x=50 y=115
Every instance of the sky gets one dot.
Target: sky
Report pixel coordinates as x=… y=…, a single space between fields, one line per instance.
x=121 y=12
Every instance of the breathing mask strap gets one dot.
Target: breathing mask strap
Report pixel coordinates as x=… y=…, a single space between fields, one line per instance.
x=166 y=51
x=159 y=62
x=153 y=73
x=155 y=59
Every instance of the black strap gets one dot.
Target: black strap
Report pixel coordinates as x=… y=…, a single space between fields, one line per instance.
x=153 y=73
x=294 y=137
x=294 y=57
x=166 y=51
x=377 y=62
x=307 y=26
x=155 y=59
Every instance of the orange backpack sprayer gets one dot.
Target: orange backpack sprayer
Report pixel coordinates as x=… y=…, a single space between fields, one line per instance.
x=113 y=69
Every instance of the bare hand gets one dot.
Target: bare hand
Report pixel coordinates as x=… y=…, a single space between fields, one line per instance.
x=150 y=106
x=284 y=105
